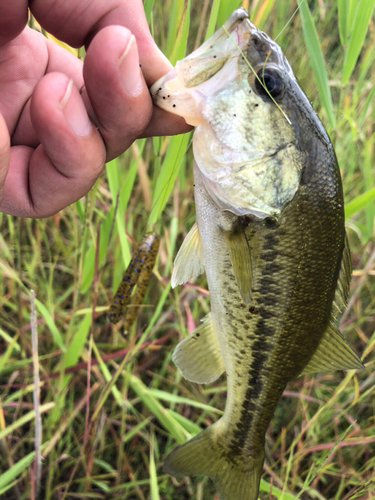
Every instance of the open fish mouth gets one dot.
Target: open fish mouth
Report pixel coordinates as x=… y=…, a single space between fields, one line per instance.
x=184 y=84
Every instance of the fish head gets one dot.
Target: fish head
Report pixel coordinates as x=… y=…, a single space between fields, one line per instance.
x=250 y=114
x=182 y=89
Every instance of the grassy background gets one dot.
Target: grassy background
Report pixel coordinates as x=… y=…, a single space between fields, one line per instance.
x=113 y=408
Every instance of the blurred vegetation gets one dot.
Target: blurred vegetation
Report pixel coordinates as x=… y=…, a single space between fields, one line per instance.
x=112 y=408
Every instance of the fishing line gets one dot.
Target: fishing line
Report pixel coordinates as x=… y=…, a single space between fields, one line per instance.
x=257 y=77
x=127 y=300
x=125 y=295
x=164 y=188
x=176 y=166
x=290 y=19
x=260 y=81
x=167 y=183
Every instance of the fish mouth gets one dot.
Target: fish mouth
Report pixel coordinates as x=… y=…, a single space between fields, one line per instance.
x=181 y=90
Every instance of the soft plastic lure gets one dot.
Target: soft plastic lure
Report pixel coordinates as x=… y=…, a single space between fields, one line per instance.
x=126 y=302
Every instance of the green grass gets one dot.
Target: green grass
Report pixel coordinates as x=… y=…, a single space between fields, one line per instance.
x=106 y=436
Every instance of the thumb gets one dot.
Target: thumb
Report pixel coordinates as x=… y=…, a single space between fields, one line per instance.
x=4 y=153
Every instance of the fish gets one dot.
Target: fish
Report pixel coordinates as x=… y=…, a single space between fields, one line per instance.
x=270 y=237
x=126 y=302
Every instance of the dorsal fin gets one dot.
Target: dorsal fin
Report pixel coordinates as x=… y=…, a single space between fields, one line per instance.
x=188 y=263
x=333 y=353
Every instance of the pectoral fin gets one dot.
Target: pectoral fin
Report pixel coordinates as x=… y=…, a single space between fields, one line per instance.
x=188 y=263
x=333 y=353
x=240 y=256
x=198 y=357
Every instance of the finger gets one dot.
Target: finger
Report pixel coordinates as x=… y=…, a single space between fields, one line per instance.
x=4 y=153
x=23 y=62
x=116 y=88
x=77 y=23
x=68 y=161
x=13 y=18
x=80 y=23
x=164 y=123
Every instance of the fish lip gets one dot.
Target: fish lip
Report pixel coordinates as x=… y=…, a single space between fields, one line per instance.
x=188 y=72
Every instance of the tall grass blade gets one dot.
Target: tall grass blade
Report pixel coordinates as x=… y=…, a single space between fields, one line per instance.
x=225 y=10
x=12 y=345
x=178 y=30
x=148 y=5
x=342 y=12
x=172 y=162
x=264 y=486
x=316 y=60
x=191 y=427
x=212 y=22
x=173 y=398
x=36 y=396
x=51 y=324
x=8 y=476
x=262 y=12
x=359 y=203
x=75 y=346
x=110 y=379
x=24 y=419
x=89 y=262
x=122 y=190
x=152 y=470
x=357 y=35
x=166 y=419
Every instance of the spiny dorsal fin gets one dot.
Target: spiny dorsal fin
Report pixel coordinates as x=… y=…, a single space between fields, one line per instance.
x=188 y=263
x=333 y=353
x=343 y=283
x=240 y=257
x=198 y=357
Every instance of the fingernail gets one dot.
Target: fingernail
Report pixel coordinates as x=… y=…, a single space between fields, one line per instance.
x=75 y=112
x=129 y=68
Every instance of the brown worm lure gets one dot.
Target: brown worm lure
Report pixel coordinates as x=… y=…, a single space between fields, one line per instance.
x=126 y=302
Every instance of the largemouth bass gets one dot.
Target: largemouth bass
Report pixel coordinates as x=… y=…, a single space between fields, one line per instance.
x=270 y=237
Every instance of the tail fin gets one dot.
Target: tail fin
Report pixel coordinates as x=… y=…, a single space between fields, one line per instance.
x=236 y=479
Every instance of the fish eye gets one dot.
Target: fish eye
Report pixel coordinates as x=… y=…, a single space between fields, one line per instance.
x=271 y=80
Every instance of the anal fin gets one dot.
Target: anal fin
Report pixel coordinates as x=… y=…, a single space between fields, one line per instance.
x=333 y=353
x=188 y=263
x=198 y=357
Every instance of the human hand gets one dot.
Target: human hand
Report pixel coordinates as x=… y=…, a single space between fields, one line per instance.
x=61 y=119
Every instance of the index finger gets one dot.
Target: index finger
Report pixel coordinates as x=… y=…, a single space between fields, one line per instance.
x=13 y=18
x=76 y=23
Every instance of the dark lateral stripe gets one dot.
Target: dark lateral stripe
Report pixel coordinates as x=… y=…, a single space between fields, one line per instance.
x=271 y=268
x=268 y=300
x=270 y=255
x=262 y=345
x=260 y=351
